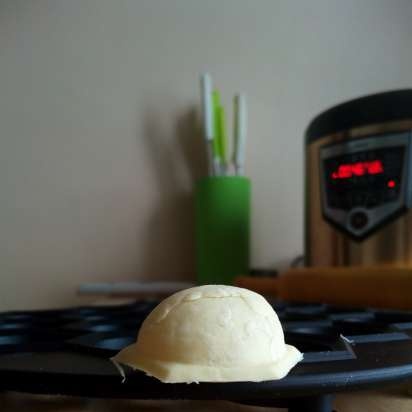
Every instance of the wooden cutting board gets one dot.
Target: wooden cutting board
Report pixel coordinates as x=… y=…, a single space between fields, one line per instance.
x=380 y=287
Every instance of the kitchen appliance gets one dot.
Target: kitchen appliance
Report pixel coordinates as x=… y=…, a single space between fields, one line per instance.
x=358 y=183
x=67 y=351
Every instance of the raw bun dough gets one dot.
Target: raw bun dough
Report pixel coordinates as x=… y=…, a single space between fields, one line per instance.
x=211 y=333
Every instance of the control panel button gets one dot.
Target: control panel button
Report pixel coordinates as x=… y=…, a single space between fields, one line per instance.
x=359 y=220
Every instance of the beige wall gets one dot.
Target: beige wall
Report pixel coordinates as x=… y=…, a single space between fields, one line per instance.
x=98 y=134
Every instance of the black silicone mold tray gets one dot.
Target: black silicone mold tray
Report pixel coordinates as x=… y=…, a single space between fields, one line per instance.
x=68 y=351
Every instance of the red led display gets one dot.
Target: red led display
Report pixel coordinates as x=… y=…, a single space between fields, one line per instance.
x=391 y=184
x=348 y=170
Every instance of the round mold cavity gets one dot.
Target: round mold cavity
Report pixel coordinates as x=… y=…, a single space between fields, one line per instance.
x=354 y=326
x=312 y=338
x=101 y=344
x=14 y=326
x=393 y=316
x=307 y=342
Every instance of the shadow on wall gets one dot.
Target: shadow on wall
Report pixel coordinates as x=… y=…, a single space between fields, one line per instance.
x=169 y=231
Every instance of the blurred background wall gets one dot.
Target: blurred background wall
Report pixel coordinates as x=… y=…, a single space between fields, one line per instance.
x=99 y=125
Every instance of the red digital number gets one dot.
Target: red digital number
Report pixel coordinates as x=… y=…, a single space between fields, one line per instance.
x=348 y=170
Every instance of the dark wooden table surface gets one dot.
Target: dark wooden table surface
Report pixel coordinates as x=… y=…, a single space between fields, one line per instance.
x=394 y=399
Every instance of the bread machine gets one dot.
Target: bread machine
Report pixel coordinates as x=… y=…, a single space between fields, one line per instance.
x=358 y=183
